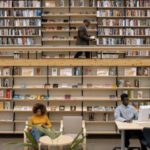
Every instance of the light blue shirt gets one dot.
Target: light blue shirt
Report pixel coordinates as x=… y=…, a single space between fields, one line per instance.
x=123 y=113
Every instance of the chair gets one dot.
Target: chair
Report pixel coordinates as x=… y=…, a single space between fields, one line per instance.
x=146 y=133
x=72 y=125
x=25 y=138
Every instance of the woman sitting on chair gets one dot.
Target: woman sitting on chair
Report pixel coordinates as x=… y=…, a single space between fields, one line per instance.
x=39 y=118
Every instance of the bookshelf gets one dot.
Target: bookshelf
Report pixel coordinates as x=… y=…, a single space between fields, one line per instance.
x=20 y=23
x=72 y=88
x=123 y=22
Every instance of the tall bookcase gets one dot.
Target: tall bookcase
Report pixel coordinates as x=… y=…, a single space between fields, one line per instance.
x=90 y=88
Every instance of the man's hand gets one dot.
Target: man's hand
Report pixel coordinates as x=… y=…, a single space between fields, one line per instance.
x=128 y=121
x=44 y=126
x=92 y=38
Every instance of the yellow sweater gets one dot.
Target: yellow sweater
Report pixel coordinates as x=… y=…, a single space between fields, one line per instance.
x=40 y=120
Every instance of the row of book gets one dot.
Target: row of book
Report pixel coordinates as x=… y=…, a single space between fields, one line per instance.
x=5 y=82
x=6 y=3
x=138 y=53
x=72 y=3
x=22 y=13
x=17 y=41
x=5 y=105
x=117 y=13
x=110 y=13
x=108 y=3
x=124 y=31
x=124 y=22
x=138 y=13
x=20 y=3
x=123 y=41
x=20 y=32
x=137 y=3
x=6 y=93
x=26 y=3
x=27 y=22
x=118 y=3
x=70 y=71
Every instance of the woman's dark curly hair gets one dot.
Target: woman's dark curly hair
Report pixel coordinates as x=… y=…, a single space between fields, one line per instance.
x=39 y=106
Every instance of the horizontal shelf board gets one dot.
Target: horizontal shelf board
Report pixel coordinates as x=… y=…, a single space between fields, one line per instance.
x=6 y=121
x=76 y=62
x=20 y=7
x=20 y=26
x=100 y=122
x=75 y=7
x=116 y=48
x=5 y=99
x=22 y=111
x=122 y=76
x=98 y=111
x=6 y=132
x=64 y=76
x=16 y=36
x=5 y=88
x=101 y=26
x=65 y=31
x=4 y=110
x=56 y=40
x=124 y=17
x=101 y=132
x=96 y=76
x=123 y=8
x=10 y=76
x=65 y=111
x=34 y=76
x=131 y=36
x=134 y=88
x=68 y=15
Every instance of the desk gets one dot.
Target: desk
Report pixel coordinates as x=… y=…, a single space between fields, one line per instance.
x=135 y=125
x=61 y=141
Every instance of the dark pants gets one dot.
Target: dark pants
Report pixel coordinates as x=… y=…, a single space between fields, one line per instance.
x=87 y=54
x=139 y=134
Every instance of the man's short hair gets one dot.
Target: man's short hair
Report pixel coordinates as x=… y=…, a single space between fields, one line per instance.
x=123 y=96
x=86 y=21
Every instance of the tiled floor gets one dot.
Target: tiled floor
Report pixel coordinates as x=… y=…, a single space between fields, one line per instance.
x=92 y=144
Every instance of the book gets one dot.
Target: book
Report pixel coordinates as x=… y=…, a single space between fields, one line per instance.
x=130 y=71
x=54 y=72
x=139 y=94
x=50 y=3
x=27 y=71
x=1 y=93
x=1 y=105
x=6 y=71
x=66 y=72
x=6 y=82
x=103 y=71
x=7 y=105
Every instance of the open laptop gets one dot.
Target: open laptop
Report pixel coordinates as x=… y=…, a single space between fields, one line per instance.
x=144 y=114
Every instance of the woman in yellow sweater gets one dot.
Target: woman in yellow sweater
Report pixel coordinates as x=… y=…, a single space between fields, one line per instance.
x=39 y=118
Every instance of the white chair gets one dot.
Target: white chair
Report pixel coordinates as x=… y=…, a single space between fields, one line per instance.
x=72 y=125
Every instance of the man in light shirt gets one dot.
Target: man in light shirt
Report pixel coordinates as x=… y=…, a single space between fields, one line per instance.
x=127 y=113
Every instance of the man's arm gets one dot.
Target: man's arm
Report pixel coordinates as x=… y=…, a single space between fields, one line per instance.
x=118 y=115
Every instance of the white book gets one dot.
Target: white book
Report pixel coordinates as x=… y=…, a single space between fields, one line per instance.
x=66 y=72
x=7 y=105
x=27 y=71
x=130 y=71
x=103 y=71
x=54 y=72
x=6 y=71
x=1 y=93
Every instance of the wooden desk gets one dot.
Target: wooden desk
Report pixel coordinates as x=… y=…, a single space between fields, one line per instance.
x=135 y=125
x=61 y=141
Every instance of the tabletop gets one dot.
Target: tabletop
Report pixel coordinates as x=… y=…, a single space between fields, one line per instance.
x=62 y=140
x=135 y=125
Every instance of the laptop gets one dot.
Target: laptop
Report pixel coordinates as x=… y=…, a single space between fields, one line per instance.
x=144 y=114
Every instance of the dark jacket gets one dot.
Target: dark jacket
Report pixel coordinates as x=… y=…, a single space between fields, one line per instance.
x=82 y=37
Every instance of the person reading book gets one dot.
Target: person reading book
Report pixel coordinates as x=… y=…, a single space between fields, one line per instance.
x=127 y=113
x=39 y=118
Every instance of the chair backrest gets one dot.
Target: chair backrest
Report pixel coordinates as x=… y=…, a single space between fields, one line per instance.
x=146 y=133
x=72 y=124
